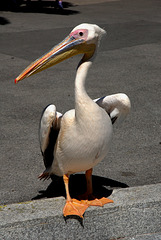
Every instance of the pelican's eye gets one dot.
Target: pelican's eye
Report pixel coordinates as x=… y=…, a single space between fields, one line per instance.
x=81 y=34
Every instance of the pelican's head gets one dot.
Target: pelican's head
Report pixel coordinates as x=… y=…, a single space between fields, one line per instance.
x=83 y=39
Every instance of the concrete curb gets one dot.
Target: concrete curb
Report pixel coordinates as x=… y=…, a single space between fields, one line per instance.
x=136 y=211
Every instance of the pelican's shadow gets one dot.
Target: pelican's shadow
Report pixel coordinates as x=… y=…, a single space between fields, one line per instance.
x=102 y=187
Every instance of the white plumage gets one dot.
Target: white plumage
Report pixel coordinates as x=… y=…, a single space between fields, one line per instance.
x=79 y=139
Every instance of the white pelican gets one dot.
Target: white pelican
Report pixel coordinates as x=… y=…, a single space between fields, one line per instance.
x=79 y=139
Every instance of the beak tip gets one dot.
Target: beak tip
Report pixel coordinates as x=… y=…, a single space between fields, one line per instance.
x=16 y=81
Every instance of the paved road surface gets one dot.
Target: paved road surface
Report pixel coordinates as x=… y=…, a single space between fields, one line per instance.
x=129 y=61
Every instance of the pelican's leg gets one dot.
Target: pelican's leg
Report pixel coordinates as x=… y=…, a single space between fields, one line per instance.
x=72 y=206
x=91 y=199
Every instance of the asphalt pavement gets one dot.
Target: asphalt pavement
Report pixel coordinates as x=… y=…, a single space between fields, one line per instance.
x=128 y=61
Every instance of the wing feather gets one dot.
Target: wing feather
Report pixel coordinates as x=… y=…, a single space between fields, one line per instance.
x=49 y=130
x=116 y=105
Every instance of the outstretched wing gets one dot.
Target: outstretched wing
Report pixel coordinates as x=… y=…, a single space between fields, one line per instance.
x=116 y=105
x=48 y=133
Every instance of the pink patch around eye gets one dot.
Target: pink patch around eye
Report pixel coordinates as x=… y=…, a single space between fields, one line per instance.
x=82 y=33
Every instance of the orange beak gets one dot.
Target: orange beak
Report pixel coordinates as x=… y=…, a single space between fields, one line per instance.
x=69 y=47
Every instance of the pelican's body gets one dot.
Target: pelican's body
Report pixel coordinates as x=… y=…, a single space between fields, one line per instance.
x=89 y=142
x=79 y=139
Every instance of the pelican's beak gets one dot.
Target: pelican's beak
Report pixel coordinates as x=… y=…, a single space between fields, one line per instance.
x=69 y=47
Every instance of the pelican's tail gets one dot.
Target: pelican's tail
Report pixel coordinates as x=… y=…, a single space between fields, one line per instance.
x=45 y=175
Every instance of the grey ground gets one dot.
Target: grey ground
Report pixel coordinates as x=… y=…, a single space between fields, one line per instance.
x=129 y=61
x=134 y=215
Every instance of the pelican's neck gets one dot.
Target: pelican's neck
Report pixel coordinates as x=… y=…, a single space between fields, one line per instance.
x=81 y=96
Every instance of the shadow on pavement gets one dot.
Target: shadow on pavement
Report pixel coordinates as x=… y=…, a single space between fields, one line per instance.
x=77 y=186
x=4 y=21
x=39 y=6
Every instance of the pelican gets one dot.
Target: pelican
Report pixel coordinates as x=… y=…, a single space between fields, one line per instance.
x=79 y=139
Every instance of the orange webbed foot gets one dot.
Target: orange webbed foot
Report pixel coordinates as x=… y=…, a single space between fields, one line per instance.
x=99 y=201
x=74 y=207
x=88 y=196
x=91 y=200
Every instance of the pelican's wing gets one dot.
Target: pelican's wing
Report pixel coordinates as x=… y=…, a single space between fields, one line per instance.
x=116 y=105
x=49 y=130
